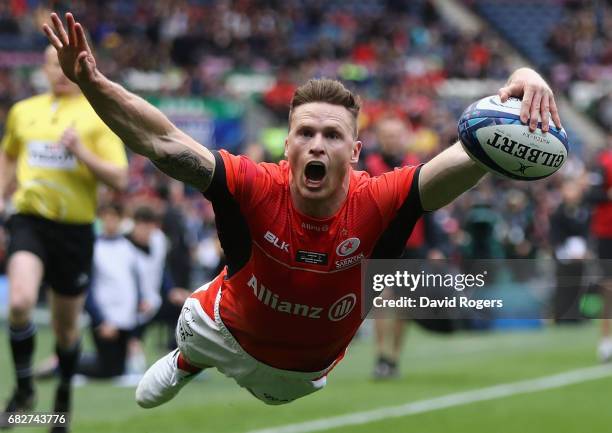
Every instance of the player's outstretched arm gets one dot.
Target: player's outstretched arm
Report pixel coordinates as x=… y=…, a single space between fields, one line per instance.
x=447 y=176
x=452 y=172
x=142 y=127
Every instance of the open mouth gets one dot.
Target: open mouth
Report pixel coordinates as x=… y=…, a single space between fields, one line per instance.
x=314 y=172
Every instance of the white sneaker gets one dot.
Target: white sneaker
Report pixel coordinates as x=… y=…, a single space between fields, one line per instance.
x=605 y=349
x=162 y=381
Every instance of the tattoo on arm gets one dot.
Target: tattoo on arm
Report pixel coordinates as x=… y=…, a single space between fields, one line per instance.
x=187 y=167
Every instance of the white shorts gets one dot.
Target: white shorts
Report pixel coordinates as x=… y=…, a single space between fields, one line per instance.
x=206 y=342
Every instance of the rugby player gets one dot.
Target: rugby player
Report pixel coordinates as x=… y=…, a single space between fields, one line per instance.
x=57 y=150
x=282 y=312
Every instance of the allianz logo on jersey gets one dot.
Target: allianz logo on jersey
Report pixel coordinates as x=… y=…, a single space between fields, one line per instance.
x=338 y=310
x=274 y=240
x=342 y=307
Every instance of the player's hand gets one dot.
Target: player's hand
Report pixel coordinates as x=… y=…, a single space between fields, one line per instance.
x=107 y=331
x=73 y=51
x=538 y=98
x=71 y=141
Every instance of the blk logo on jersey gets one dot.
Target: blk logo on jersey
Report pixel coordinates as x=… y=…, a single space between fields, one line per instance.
x=348 y=247
x=274 y=240
x=342 y=307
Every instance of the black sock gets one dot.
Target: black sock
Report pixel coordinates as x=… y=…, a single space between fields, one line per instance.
x=22 y=346
x=62 y=398
x=67 y=361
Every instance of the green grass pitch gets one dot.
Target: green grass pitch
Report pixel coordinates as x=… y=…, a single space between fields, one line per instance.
x=432 y=366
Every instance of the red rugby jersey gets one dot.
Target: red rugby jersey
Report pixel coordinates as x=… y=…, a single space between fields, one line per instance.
x=291 y=290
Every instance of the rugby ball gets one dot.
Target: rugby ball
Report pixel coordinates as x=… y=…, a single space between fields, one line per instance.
x=492 y=134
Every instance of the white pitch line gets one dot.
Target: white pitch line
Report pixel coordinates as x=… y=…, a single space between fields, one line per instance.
x=446 y=401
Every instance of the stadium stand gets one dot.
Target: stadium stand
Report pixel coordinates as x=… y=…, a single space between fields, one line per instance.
x=224 y=72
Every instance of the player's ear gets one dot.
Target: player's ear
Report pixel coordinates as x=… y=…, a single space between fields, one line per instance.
x=355 y=152
x=286 y=145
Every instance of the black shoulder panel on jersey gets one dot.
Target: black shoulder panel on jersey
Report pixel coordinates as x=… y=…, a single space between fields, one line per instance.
x=232 y=227
x=392 y=241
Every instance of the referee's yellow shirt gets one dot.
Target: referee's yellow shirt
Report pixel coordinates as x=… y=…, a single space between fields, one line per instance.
x=52 y=183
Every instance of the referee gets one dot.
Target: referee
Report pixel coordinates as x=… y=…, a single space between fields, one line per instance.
x=57 y=149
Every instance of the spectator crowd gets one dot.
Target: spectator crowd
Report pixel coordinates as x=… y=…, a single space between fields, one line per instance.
x=394 y=53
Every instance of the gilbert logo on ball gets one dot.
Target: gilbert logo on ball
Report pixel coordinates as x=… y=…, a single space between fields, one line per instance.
x=493 y=135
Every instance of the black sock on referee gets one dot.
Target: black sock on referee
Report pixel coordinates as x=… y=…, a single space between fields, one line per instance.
x=68 y=360
x=22 y=346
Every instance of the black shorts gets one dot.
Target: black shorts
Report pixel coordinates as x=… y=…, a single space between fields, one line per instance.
x=66 y=250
